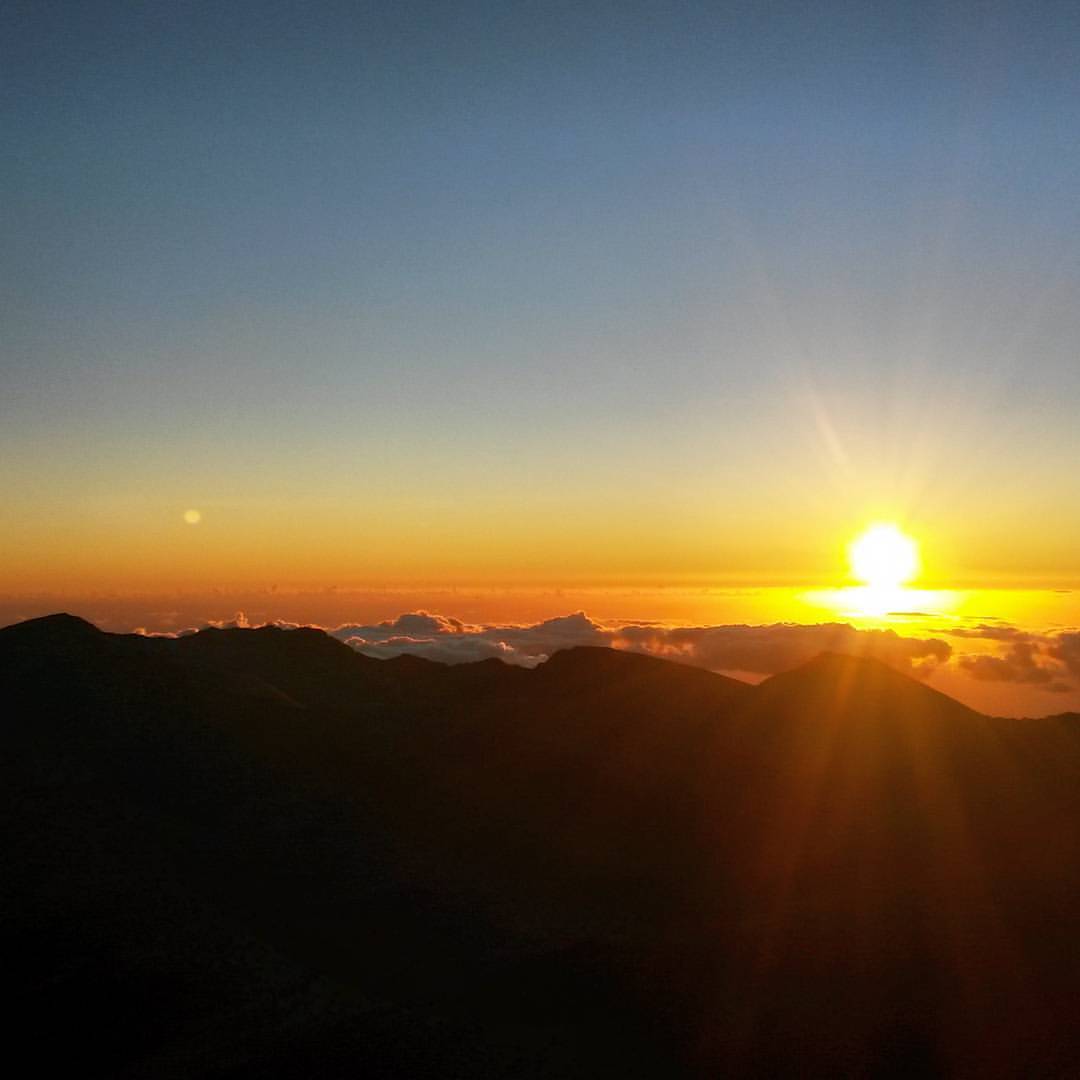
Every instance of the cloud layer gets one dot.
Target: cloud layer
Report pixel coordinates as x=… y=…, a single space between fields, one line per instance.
x=438 y=637
x=759 y=650
x=987 y=652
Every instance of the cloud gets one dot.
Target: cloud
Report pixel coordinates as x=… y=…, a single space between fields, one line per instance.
x=451 y=641
x=239 y=621
x=457 y=649
x=1066 y=649
x=765 y=650
x=1040 y=660
x=761 y=650
x=1020 y=664
x=990 y=633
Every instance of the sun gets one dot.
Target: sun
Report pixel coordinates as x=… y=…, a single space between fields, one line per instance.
x=883 y=560
x=883 y=557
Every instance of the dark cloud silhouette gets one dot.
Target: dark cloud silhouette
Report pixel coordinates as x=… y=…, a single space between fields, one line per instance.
x=1022 y=663
x=1066 y=649
x=1040 y=660
x=991 y=633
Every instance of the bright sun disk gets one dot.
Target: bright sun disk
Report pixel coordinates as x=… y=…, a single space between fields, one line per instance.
x=883 y=557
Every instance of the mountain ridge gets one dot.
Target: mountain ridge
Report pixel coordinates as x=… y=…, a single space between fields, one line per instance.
x=218 y=647
x=282 y=859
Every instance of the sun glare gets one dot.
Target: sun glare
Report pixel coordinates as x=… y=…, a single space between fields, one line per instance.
x=883 y=560
x=883 y=557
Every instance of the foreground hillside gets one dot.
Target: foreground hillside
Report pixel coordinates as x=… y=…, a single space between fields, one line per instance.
x=255 y=853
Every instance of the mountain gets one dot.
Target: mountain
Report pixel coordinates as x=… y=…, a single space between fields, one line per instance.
x=257 y=853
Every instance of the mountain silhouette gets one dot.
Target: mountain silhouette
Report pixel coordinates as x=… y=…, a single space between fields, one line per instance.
x=257 y=853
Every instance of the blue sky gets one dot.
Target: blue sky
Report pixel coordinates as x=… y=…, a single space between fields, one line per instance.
x=793 y=261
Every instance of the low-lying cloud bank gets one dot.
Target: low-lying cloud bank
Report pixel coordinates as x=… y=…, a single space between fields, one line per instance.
x=438 y=637
x=759 y=650
x=1003 y=654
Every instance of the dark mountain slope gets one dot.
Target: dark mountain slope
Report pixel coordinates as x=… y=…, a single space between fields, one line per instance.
x=898 y=879
x=167 y=821
x=836 y=684
x=254 y=853
x=643 y=681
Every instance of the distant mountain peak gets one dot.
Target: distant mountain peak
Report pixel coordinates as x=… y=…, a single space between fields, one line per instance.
x=600 y=659
x=831 y=661
x=842 y=678
x=56 y=625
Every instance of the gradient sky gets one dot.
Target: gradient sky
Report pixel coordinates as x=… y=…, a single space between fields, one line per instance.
x=536 y=294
